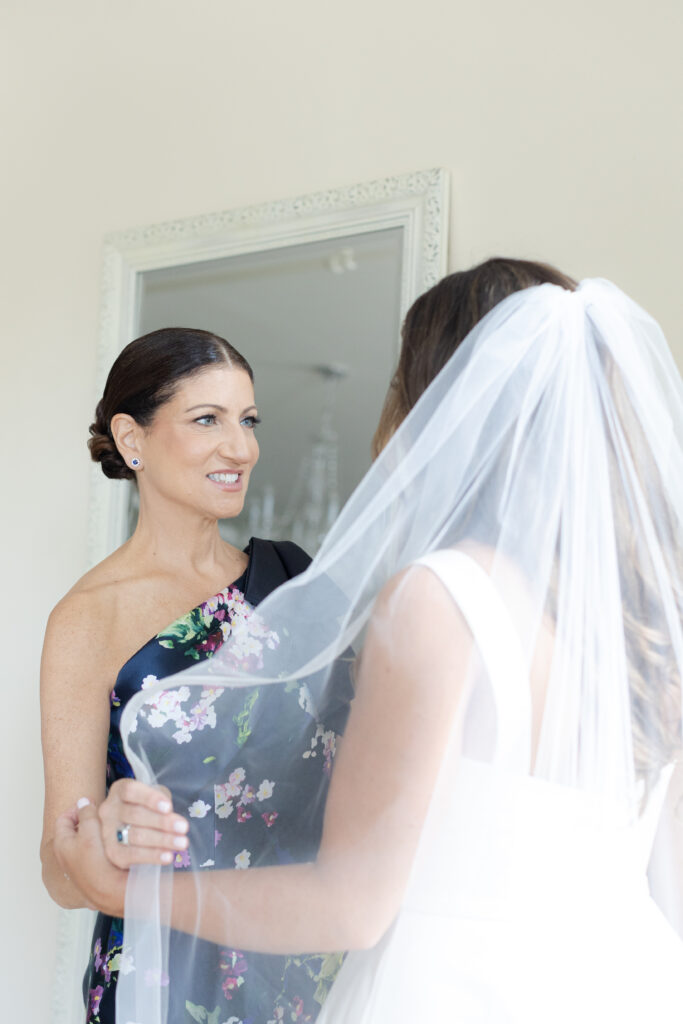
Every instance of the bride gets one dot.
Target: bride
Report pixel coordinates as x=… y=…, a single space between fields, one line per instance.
x=507 y=580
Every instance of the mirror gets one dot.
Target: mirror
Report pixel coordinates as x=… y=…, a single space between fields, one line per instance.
x=318 y=322
x=312 y=291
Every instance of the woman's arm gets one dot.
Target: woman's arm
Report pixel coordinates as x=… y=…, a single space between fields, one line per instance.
x=410 y=687
x=75 y=711
x=75 y=721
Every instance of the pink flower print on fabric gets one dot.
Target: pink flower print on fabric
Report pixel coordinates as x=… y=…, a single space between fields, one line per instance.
x=211 y=643
x=225 y=793
x=329 y=750
x=182 y=859
x=248 y=796
x=94 y=1000
x=230 y=788
x=248 y=633
x=223 y=804
x=210 y=607
x=234 y=964
x=102 y=963
x=297 y=1007
x=201 y=716
x=205 y=629
x=167 y=706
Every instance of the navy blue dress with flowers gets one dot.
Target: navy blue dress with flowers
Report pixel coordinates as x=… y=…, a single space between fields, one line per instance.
x=259 y=815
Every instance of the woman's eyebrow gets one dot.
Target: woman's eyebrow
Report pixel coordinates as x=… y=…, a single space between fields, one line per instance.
x=212 y=405
x=207 y=405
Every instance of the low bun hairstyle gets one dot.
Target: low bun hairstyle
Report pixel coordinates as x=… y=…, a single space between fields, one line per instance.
x=144 y=376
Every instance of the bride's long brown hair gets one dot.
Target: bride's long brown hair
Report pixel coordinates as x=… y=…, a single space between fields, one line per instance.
x=442 y=318
x=434 y=327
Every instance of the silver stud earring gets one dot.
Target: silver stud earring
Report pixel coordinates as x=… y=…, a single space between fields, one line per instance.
x=135 y=463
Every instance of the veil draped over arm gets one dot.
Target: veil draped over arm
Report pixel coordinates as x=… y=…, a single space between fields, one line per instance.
x=549 y=453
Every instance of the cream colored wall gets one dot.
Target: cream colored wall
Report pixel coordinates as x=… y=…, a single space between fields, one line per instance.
x=559 y=124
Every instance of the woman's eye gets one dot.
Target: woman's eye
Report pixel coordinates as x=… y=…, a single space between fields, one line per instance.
x=251 y=421
x=207 y=420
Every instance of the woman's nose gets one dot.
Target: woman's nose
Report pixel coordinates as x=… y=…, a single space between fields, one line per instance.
x=235 y=446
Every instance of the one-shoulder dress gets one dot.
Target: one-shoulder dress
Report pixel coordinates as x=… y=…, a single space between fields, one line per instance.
x=261 y=815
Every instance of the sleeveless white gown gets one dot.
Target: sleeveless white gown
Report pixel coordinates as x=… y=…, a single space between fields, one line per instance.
x=526 y=902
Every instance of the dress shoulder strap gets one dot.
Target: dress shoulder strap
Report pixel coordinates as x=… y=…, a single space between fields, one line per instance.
x=499 y=647
x=272 y=563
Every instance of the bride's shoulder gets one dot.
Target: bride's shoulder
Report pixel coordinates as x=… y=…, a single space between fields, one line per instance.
x=427 y=592
x=419 y=575
x=418 y=593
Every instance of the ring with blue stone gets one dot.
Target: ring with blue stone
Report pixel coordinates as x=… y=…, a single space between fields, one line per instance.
x=122 y=835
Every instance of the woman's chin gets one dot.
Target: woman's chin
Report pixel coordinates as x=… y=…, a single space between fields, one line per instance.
x=228 y=509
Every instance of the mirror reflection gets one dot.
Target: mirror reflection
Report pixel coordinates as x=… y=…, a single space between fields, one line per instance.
x=319 y=322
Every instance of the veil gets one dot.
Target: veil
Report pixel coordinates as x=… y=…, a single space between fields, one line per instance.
x=548 y=451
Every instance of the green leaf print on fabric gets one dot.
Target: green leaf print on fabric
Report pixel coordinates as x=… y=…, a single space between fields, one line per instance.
x=201 y=1014
x=243 y=719
x=184 y=631
x=321 y=969
x=329 y=970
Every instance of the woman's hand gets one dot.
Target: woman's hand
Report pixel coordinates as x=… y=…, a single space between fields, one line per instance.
x=138 y=826
x=80 y=854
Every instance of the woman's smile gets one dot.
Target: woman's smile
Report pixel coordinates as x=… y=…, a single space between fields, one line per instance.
x=227 y=481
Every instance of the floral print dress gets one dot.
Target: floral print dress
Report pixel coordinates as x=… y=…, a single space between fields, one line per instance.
x=260 y=814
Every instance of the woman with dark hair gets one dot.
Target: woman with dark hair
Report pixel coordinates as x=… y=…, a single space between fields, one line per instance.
x=509 y=578
x=178 y=416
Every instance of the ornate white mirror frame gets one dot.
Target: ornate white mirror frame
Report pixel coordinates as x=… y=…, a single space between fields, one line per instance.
x=416 y=203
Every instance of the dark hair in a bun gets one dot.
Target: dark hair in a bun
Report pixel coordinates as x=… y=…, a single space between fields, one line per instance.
x=144 y=376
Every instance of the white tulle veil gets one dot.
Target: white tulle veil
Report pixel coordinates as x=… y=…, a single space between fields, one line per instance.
x=549 y=447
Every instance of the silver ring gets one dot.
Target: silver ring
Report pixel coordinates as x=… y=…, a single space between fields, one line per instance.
x=122 y=835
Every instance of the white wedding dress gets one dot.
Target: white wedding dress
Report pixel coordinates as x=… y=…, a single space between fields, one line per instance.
x=528 y=901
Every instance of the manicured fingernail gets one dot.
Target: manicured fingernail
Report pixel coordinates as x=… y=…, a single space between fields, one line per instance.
x=180 y=826
x=166 y=858
x=164 y=806
x=181 y=842
x=83 y=802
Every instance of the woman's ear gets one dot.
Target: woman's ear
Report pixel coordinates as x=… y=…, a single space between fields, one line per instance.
x=127 y=435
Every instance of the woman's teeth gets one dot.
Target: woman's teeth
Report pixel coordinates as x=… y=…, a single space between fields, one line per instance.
x=224 y=478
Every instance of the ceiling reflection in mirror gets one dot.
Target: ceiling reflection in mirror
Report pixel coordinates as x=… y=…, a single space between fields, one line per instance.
x=319 y=324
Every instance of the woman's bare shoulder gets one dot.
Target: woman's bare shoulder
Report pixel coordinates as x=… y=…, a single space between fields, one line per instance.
x=93 y=598
x=95 y=627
